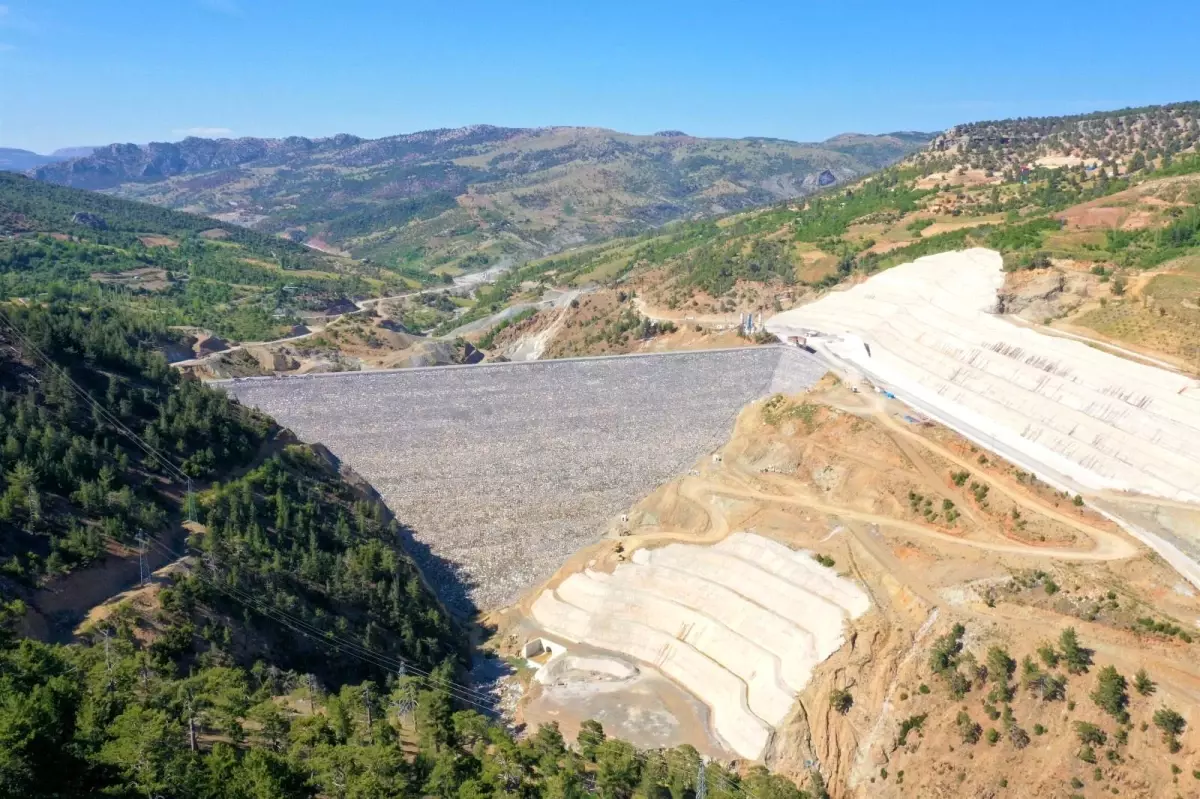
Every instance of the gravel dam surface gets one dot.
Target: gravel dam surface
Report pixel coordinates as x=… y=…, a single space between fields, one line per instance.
x=502 y=471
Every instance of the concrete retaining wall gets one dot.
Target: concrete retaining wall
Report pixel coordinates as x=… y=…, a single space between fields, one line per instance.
x=740 y=625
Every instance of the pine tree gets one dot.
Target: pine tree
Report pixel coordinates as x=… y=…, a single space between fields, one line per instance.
x=1111 y=693
x=1077 y=658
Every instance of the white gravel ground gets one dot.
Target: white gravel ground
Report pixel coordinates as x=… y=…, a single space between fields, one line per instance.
x=1080 y=418
x=740 y=625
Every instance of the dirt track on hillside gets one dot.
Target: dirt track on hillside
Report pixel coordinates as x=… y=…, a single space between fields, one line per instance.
x=921 y=576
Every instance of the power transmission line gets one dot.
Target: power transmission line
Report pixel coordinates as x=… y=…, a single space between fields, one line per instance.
x=367 y=655
x=390 y=663
x=160 y=458
x=395 y=664
x=143 y=565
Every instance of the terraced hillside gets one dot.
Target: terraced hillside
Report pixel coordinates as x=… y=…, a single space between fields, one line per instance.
x=999 y=638
x=463 y=199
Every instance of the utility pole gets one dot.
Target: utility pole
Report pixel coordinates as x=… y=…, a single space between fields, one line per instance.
x=189 y=708
x=108 y=667
x=189 y=503
x=310 y=681
x=367 y=703
x=339 y=782
x=143 y=564
x=210 y=560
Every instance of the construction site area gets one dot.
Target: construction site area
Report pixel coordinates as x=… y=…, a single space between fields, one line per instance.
x=794 y=584
x=903 y=560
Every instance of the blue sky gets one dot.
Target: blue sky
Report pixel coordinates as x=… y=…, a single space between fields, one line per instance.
x=76 y=72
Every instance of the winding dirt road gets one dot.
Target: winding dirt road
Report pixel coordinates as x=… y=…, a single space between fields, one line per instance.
x=1107 y=546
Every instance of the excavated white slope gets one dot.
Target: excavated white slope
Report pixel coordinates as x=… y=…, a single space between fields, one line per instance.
x=926 y=330
x=740 y=625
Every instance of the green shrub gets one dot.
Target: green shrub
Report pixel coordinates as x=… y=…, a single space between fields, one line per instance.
x=841 y=700
x=1089 y=733
x=908 y=725
x=1077 y=658
x=1111 y=694
x=1143 y=684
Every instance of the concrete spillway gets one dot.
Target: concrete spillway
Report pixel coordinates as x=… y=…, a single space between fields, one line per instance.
x=502 y=471
x=927 y=329
x=1080 y=418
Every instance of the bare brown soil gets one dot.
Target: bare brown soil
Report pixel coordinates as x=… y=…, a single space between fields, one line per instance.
x=887 y=246
x=148 y=279
x=969 y=177
x=596 y=326
x=1089 y=216
x=847 y=476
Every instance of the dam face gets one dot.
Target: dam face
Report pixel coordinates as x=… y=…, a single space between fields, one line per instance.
x=502 y=471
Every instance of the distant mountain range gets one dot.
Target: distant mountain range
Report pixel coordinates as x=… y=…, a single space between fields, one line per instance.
x=455 y=200
x=14 y=160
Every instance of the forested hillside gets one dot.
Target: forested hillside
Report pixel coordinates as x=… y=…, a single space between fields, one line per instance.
x=71 y=477
x=100 y=439
x=113 y=718
x=459 y=200
x=291 y=650
x=179 y=268
x=294 y=653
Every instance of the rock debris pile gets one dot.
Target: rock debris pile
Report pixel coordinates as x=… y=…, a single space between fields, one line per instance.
x=503 y=471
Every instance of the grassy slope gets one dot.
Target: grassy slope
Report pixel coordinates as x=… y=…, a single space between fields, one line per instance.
x=240 y=283
x=933 y=202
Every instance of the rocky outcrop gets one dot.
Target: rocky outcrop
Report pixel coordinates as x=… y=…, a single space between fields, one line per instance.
x=272 y=359
x=1036 y=295
x=207 y=344
x=666 y=173
x=88 y=219
x=115 y=164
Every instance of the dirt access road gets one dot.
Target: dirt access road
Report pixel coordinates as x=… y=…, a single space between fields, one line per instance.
x=360 y=306
x=716 y=320
x=731 y=481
